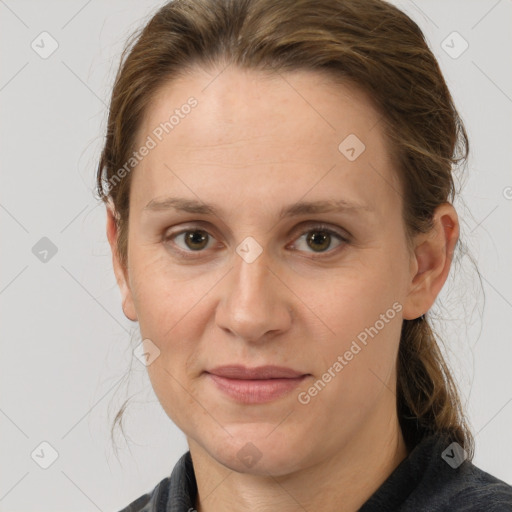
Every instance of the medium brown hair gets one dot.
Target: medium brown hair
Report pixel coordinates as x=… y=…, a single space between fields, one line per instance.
x=368 y=43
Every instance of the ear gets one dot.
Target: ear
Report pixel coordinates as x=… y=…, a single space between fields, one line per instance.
x=430 y=264
x=120 y=271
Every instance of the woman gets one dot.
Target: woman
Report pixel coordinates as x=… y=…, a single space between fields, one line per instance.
x=278 y=182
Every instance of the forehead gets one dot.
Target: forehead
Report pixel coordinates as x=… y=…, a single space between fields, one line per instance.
x=291 y=133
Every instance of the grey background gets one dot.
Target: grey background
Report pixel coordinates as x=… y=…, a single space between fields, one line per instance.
x=66 y=345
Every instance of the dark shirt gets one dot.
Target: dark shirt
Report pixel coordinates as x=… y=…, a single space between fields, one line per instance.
x=434 y=477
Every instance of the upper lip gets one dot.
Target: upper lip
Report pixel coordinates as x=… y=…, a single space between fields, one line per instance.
x=260 y=372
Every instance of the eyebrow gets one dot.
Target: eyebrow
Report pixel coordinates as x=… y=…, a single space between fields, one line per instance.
x=296 y=209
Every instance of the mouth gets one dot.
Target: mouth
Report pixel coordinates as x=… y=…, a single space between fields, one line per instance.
x=255 y=385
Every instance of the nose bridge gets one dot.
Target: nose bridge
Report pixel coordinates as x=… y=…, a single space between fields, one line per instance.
x=252 y=278
x=254 y=302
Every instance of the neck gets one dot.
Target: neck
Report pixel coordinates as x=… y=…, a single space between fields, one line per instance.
x=343 y=482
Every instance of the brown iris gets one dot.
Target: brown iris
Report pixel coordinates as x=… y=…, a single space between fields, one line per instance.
x=321 y=240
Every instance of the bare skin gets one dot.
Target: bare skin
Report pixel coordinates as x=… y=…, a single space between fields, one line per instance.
x=251 y=147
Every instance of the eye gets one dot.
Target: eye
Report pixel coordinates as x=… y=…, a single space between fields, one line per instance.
x=319 y=238
x=193 y=240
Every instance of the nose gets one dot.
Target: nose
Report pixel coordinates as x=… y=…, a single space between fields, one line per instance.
x=255 y=304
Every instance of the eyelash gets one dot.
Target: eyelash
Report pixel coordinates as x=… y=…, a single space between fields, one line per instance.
x=315 y=228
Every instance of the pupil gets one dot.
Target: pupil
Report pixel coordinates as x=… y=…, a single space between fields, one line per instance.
x=323 y=237
x=195 y=237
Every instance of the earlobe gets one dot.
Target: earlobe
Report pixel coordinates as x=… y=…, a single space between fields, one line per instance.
x=120 y=272
x=431 y=262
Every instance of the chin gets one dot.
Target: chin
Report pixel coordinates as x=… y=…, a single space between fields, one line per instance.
x=253 y=451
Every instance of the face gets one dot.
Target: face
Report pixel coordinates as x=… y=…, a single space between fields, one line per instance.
x=255 y=279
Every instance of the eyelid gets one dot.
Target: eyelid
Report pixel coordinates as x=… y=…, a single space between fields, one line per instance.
x=322 y=226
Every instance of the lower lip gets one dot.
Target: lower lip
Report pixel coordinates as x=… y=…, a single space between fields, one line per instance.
x=256 y=391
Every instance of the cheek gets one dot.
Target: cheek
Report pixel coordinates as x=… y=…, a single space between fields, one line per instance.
x=358 y=368
x=162 y=295
x=173 y=311
x=174 y=393
x=172 y=315
x=356 y=334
